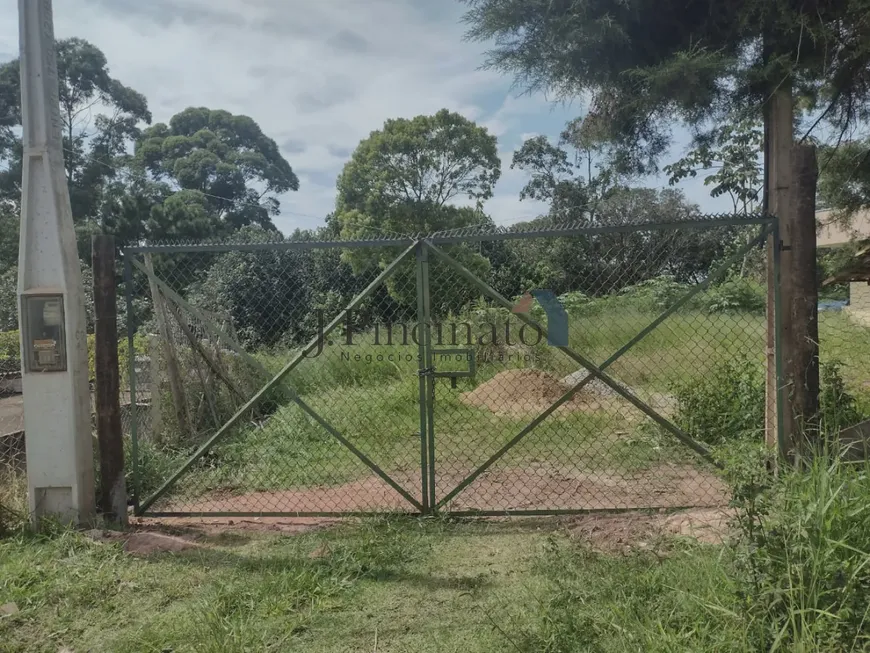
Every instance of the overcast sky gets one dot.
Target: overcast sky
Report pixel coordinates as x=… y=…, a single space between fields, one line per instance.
x=318 y=76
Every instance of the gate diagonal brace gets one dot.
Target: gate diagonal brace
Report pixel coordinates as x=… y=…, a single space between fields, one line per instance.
x=595 y=372
x=278 y=378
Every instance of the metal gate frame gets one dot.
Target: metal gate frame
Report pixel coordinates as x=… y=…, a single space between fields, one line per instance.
x=422 y=247
x=769 y=228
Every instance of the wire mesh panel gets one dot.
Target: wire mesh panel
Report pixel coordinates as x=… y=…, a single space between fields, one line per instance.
x=278 y=382
x=844 y=352
x=674 y=317
x=489 y=371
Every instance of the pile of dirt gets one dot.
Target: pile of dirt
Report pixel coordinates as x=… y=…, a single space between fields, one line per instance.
x=519 y=392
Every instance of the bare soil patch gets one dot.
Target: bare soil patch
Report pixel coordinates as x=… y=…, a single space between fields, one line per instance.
x=535 y=486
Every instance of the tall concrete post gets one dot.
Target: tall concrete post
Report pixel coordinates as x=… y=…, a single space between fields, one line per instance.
x=57 y=421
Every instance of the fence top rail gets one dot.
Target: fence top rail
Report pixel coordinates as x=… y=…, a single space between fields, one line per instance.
x=482 y=232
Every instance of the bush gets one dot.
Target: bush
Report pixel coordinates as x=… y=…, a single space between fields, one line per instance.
x=725 y=404
x=728 y=403
x=659 y=293
x=735 y=295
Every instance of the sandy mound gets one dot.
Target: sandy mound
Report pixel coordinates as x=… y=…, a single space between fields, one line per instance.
x=519 y=392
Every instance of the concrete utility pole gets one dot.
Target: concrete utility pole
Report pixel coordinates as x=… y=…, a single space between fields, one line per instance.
x=57 y=420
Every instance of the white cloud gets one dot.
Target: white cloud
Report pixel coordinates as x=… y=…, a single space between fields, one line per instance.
x=316 y=76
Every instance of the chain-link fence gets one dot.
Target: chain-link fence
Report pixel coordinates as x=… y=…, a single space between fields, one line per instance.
x=538 y=369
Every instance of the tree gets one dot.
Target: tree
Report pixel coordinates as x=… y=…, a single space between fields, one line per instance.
x=646 y=63
x=606 y=262
x=95 y=141
x=225 y=170
x=844 y=183
x=402 y=179
x=556 y=176
x=732 y=150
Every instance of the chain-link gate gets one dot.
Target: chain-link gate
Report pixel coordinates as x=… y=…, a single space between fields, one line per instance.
x=417 y=375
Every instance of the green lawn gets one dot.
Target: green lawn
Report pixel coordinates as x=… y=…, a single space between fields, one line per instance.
x=379 y=586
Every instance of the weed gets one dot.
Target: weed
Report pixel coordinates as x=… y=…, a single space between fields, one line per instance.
x=803 y=569
x=13 y=500
x=728 y=403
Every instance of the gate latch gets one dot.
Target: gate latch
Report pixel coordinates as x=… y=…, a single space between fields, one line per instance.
x=454 y=358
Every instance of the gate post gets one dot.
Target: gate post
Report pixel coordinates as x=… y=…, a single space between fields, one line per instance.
x=422 y=349
x=113 y=496
x=424 y=317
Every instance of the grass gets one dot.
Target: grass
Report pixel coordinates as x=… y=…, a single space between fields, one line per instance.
x=794 y=577
x=370 y=395
x=683 y=599
x=383 y=585
x=13 y=499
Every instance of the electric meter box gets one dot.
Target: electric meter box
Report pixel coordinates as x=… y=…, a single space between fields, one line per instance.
x=44 y=332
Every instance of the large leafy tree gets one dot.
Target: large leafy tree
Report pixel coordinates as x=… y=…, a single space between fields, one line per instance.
x=641 y=64
x=224 y=173
x=404 y=180
x=100 y=118
x=571 y=175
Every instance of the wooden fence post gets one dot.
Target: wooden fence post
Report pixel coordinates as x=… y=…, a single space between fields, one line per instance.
x=113 y=498
x=779 y=139
x=801 y=313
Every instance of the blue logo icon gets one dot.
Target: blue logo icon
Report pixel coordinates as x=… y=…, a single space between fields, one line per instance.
x=557 y=316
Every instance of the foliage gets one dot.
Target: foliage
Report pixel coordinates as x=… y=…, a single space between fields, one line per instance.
x=402 y=179
x=603 y=263
x=403 y=176
x=658 y=293
x=844 y=179
x=728 y=403
x=9 y=301
x=838 y=408
x=554 y=178
x=725 y=404
x=95 y=144
x=735 y=295
x=732 y=150
x=641 y=65
x=802 y=567
x=216 y=161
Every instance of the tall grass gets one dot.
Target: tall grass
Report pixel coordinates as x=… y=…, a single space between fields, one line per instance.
x=795 y=576
x=13 y=500
x=803 y=555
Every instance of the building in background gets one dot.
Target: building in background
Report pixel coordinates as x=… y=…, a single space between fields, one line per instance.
x=834 y=233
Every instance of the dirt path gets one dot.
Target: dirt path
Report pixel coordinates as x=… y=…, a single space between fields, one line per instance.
x=537 y=486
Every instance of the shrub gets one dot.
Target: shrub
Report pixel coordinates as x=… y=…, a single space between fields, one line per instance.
x=735 y=295
x=658 y=293
x=727 y=403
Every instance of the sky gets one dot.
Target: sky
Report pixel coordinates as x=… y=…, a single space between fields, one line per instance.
x=318 y=76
